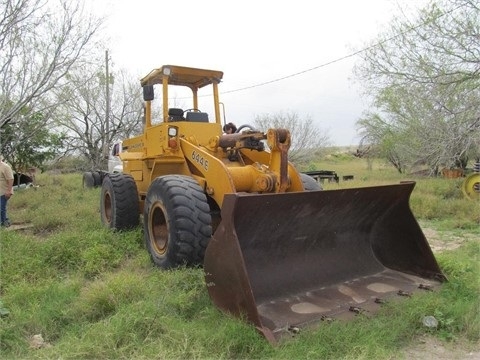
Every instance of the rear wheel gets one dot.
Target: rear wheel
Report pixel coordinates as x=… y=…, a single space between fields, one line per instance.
x=97 y=179
x=102 y=175
x=309 y=183
x=119 y=202
x=88 y=180
x=177 y=222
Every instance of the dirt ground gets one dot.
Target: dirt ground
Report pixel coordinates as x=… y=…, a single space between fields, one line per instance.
x=428 y=347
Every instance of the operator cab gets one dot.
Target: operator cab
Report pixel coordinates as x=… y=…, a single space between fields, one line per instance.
x=197 y=87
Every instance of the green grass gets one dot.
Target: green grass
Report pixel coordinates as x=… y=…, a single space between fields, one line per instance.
x=94 y=294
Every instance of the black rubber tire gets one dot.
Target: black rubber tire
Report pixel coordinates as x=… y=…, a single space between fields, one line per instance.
x=88 y=181
x=119 y=202
x=102 y=175
x=176 y=221
x=309 y=183
x=97 y=179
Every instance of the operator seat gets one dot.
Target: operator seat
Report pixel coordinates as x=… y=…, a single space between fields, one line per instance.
x=175 y=114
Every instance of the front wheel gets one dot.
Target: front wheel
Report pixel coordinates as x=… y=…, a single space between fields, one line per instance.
x=119 y=202
x=309 y=183
x=177 y=222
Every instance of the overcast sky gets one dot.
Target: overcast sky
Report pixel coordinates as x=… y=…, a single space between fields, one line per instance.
x=257 y=42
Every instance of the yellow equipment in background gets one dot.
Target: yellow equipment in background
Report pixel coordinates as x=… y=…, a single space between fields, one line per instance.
x=471 y=184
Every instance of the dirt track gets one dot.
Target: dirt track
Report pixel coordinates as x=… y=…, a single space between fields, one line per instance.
x=428 y=347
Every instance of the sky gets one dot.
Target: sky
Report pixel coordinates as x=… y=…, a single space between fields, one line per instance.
x=276 y=55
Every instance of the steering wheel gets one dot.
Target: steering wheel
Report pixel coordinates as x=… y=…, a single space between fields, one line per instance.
x=192 y=109
x=245 y=126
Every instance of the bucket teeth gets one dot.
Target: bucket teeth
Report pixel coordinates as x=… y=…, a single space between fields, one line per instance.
x=327 y=319
x=294 y=330
x=425 y=287
x=356 y=309
x=404 y=293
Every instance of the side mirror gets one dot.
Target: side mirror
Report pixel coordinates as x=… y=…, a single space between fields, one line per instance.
x=148 y=94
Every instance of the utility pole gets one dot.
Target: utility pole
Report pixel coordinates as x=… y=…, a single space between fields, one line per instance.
x=107 y=109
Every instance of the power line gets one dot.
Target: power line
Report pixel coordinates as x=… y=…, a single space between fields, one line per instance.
x=343 y=57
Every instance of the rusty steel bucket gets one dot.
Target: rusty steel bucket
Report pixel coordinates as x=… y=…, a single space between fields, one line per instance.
x=285 y=261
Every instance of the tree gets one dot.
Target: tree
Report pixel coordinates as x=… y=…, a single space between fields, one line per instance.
x=307 y=139
x=385 y=139
x=26 y=143
x=83 y=112
x=424 y=82
x=40 y=43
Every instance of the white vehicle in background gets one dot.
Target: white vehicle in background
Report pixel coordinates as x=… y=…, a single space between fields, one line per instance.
x=114 y=165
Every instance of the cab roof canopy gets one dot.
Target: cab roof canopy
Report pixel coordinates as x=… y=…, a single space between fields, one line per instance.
x=185 y=76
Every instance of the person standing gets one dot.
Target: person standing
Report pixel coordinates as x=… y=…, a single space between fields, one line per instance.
x=6 y=190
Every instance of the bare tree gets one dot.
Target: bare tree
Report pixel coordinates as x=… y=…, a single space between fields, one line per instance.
x=424 y=79
x=40 y=42
x=307 y=138
x=84 y=108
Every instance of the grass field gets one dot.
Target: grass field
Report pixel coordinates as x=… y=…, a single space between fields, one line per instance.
x=71 y=289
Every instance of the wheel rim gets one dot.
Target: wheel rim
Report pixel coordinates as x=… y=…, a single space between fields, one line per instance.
x=107 y=207
x=158 y=229
x=471 y=186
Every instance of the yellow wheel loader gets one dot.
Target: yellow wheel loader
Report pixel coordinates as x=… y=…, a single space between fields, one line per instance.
x=276 y=249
